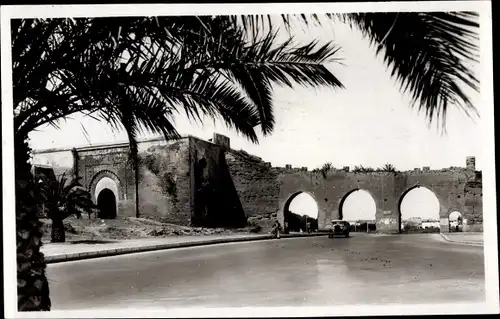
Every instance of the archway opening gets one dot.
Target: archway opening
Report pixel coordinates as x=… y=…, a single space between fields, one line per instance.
x=359 y=208
x=301 y=213
x=106 y=202
x=419 y=211
x=455 y=222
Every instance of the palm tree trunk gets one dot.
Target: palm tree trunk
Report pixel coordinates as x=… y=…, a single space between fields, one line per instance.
x=58 y=234
x=32 y=284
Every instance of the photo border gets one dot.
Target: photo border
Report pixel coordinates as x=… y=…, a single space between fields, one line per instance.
x=487 y=157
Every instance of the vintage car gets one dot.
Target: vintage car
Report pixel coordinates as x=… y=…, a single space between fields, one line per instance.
x=338 y=228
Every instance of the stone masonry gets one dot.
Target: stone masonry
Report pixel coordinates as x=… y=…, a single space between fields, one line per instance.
x=206 y=183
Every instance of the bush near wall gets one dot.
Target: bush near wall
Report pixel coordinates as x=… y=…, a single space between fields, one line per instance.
x=414 y=229
x=297 y=222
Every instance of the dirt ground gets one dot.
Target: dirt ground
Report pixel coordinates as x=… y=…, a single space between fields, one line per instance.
x=128 y=228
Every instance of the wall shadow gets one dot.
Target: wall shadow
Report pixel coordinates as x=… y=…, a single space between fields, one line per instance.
x=216 y=200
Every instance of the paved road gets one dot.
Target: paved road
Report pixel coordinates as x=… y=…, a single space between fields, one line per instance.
x=316 y=271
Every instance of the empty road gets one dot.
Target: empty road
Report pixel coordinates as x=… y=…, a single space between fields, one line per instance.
x=363 y=269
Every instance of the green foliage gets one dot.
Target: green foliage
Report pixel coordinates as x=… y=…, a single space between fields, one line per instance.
x=324 y=170
x=297 y=222
x=254 y=228
x=63 y=198
x=327 y=167
x=151 y=163
x=388 y=168
x=411 y=228
x=428 y=53
x=205 y=66
x=135 y=73
x=169 y=185
x=166 y=180
x=362 y=169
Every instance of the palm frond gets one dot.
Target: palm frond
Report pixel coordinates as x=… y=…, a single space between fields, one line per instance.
x=63 y=198
x=261 y=61
x=173 y=62
x=428 y=53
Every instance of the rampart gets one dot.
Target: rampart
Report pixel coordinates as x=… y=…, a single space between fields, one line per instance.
x=191 y=181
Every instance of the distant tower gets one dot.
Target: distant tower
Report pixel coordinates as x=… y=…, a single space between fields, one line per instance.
x=221 y=140
x=470 y=163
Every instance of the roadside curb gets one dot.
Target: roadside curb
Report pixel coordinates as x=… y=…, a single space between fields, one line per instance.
x=131 y=250
x=469 y=243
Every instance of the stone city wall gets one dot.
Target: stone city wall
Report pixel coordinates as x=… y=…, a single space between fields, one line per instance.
x=191 y=181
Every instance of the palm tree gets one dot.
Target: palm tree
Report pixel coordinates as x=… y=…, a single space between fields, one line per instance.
x=63 y=198
x=428 y=53
x=326 y=168
x=389 y=168
x=135 y=73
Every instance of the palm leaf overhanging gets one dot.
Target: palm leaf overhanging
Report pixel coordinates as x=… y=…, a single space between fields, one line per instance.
x=428 y=53
x=205 y=66
x=135 y=73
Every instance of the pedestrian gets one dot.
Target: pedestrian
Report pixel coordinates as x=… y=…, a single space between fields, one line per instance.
x=276 y=229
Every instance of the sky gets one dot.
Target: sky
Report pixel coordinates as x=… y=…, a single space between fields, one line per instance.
x=368 y=123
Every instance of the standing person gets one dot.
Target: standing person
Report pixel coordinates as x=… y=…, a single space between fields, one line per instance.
x=276 y=229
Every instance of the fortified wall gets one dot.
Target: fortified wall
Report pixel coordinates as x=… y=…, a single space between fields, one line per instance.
x=188 y=181
x=206 y=183
x=457 y=189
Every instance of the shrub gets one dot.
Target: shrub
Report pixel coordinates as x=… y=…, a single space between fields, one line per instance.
x=63 y=198
x=327 y=167
x=255 y=229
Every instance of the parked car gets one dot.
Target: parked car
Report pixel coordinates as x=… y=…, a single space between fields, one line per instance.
x=338 y=228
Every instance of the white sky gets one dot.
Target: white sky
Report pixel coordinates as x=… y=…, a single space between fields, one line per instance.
x=420 y=202
x=368 y=123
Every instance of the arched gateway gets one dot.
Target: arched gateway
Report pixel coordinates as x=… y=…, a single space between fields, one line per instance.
x=388 y=189
x=167 y=184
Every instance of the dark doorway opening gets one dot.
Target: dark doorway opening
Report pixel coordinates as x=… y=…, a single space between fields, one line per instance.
x=106 y=201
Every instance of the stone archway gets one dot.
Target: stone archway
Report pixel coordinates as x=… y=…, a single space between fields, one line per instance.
x=106 y=179
x=282 y=217
x=106 y=194
x=367 y=220
x=404 y=195
x=106 y=183
x=107 y=203
x=455 y=221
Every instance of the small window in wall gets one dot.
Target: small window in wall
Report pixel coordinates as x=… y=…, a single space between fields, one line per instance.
x=455 y=221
